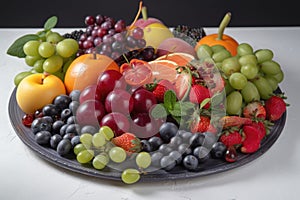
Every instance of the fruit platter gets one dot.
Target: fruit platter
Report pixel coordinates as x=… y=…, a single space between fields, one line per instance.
x=142 y=101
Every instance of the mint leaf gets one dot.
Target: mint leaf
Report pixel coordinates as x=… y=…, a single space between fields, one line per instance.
x=159 y=111
x=50 y=23
x=16 y=49
x=176 y=111
x=169 y=99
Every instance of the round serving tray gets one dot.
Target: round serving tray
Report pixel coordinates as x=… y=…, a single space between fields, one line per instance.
x=212 y=166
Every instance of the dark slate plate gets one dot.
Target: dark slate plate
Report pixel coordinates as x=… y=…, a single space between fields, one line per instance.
x=213 y=166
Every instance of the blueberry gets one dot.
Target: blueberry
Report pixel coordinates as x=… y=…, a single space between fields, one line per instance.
x=175 y=141
x=177 y=156
x=155 y=158
x=71 y=120
x=73 y=106
x=40 y=124
x=146 y=146
x=62 y=101
x=42 y=137
x=88 y=129
x=218 y=150
x=165 y=149
x=197 y=139
x=69 y=136
x=51 y=110
x=64 y=147
x=74 y=95
x=184 y=149
x=209 y=139
x=54 y=140
x=185 y=135
x=62 y=130
x=167 y=130
x=73 y=128
x=56 y=126
x=167 y=163
x=155 y=142
x=75 y=140
x=190 y=162
x=202 y=153
x=65 y=114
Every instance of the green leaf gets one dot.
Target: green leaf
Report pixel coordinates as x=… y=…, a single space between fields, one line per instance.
x=176 y=111
x=16 y=49
x=204 y=102
x=159 y=111
x=169 y=99
x=50 y=23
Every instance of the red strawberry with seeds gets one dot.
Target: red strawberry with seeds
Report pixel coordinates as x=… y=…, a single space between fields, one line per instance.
x=233 y=138
x=128 y=141
x=254 y=110
x=200 y=124
x=198 y=93
x=251 y=142
x=261 y=127
x=275 y=107
x=161 y=88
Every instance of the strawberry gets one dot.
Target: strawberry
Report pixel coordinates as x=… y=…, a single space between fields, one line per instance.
x=251 y=142
x=198 y=93
x=160 y=89
x=261 y=127
x=231 y=138
x=200 y=124
x=254 y=110
x=275 y=107
x=234 y=121
x=128 y=141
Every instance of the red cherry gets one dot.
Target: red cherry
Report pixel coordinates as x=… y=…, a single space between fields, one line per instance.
x=27 y=119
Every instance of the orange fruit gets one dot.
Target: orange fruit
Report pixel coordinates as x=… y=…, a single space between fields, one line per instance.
x=163 y=69
x=85 y=70
x=182 y=59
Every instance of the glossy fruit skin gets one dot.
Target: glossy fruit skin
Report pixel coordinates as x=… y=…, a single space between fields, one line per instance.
x=119 y=100
x=90 y=112
x=118 y=122
x=38 y=85
x=128 y=141
x=143 y=100
x=86 y=69
x=275 y=107
x=167 y=131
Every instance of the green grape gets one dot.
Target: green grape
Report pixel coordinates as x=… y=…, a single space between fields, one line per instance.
x=53 y=64
x=38 y=66
x=54 y=37
x=272 y=81
x=250 y=93
x=250 y=70
x=100 y=161
x=279 y=76
x=20 y=76
x=143 y=160
x=78 y=148
x=246 y=59
x=244 y=49
x=86 y=139
x=263 y=87
x=263 y=55
x=31 y=47
x=204 y=51
x=30 y=60
x=46 y=49
x=67 y=47
x=234 y=103
x=59 y=74
x=117 y=154
x=216 y=48
x=98 y=140
x=230 y=65
x=130 y=176
x=221 y=55
x=228 y=87
x=85 y=156
x=270 y=67
x=107 y=132
x=237 y=80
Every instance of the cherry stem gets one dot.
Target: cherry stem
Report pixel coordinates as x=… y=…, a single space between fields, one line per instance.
x=137 y=16
x=224 y=23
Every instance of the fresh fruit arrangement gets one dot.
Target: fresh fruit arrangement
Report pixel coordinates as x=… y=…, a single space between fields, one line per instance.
x=142 y=97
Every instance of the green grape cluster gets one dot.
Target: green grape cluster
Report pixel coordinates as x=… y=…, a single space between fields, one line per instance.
x=51 y=54
x=249 y=76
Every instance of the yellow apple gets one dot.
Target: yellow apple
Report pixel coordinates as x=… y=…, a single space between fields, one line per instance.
x=37 y=90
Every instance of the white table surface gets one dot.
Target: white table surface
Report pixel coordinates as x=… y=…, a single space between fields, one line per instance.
x=274 y=175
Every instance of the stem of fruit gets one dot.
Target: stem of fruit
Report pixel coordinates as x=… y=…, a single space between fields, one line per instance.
x=224 y=23
x=137 y=16
x=144 y=13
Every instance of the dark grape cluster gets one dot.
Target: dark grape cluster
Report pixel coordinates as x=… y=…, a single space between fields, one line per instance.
x=189 y=34
x=76 y=34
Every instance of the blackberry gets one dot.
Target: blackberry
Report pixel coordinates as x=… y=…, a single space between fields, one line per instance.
x=74 y=34
x=189 y=34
